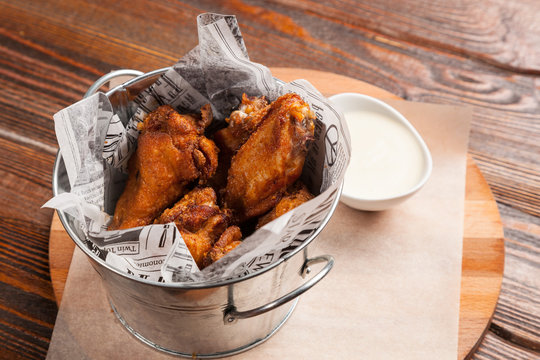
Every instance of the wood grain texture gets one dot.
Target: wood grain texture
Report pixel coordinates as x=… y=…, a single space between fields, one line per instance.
x=27 y=306
x=494 y=347
x=483 y=54
x=518 y=310
x=483 y=246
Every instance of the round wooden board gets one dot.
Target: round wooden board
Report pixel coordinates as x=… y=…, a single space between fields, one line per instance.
x=483 y=242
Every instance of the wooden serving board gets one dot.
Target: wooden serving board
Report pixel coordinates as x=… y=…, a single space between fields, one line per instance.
x=483 y=241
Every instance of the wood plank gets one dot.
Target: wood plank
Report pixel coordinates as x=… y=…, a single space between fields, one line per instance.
x=27 y=304
x=493 y=347
x=496 y=32
x=517 y=315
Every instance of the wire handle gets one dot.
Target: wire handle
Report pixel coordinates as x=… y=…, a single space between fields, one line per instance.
x=108 y=77
x=231 y=314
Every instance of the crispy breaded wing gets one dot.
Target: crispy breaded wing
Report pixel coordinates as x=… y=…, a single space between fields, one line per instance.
x=296 y=195
x=201 y=223
x=241 y=124
x=200 y=242
x=192 y=211
x=229 y=240
x=271 y=159
x=172 y=152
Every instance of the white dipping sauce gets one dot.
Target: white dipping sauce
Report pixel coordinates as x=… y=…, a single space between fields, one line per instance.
x=386 y=159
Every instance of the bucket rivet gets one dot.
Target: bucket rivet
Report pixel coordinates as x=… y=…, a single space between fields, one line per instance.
x=308 y=270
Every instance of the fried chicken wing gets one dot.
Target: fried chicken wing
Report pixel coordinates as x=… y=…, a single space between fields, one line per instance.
x=202 y=225
x=200 y=242
x=228 y=241
x=172 y=153
x=296 y=195
x=271 y=159
x=192 y=211
x=241 y=124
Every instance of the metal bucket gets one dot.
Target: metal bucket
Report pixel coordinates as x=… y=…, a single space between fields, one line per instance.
x=198 y=320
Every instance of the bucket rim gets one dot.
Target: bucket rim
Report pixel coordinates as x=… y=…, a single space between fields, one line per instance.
x=175 y=285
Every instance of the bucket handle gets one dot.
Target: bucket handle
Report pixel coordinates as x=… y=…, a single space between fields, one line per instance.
x=108 y=77
x=231 y=314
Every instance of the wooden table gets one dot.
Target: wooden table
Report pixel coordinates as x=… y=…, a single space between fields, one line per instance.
x=481 y=54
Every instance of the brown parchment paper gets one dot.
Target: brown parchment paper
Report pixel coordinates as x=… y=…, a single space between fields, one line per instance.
x=392 y=294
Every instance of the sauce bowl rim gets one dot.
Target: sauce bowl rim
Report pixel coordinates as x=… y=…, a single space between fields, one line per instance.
x=395 y=115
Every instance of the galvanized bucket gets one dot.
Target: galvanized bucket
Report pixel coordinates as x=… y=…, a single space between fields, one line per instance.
x=198 y=320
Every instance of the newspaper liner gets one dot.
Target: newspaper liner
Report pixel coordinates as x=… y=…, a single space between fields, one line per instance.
x=95 y=146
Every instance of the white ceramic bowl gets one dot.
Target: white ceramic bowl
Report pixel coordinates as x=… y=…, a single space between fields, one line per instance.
x=350 y=102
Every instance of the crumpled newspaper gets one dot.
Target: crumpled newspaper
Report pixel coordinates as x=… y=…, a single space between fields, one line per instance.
x=95 y=143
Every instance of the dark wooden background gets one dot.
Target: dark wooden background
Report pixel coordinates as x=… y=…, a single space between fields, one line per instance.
x=484 y=54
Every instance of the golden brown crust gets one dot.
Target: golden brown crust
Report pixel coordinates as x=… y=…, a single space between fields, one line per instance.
x=228 y=241
x=295 y=196
x=200 y=221
x=192 y=210
x=172 y=152
x=271 y=159
x=267 y=144
x=241 y=124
